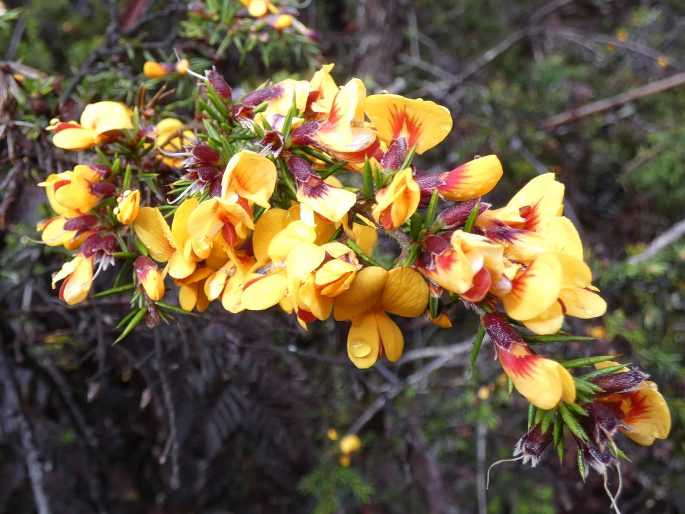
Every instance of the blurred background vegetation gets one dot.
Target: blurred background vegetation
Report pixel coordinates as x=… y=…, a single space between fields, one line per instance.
x=223 y=413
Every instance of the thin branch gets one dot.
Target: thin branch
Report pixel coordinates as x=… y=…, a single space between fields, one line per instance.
x=172 y=445
x=609 y=103
x=380 y=402
x=30 y=453
x=666 y=239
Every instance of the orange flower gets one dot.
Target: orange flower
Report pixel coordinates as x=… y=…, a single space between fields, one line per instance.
x=149 y=277
x=421 y=123
x=100 y=122
x=397 y=203
x=471 y=180
x=543 y=382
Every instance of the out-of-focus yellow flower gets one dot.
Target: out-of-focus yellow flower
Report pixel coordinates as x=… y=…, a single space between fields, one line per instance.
x=169 y=137
x=100 y=122
x=622 y=34
x=332 y=434
x=374 y=292
x=345 y=460
x=471 y=180
x=150 y=277
x=155 y=70
x=259 y=8
x=78 y=279
x=128 y=204
x=421 y=123
x=396 y=203
x=598 y=332
x=350 y=443
x=662 y=62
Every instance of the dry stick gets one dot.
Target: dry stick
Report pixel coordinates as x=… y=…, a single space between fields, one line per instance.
x=31 y=455
x=172 y=441
x=458 y=349
x=667 y=238
x=608 y=103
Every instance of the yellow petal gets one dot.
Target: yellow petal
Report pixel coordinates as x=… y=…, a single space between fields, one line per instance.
x=363 y=295
x=76 y=286
x=549 y=322
x=155 y=70
x=363 y=341
x=542 y=199
x=574 y=272
x=581 y=303
x=421 y=123
x=304 y=258
x=76 y=138
x=153 y=231
x=187 y=296
x=396 y=203
x=332 y=203
x=535 y=289
x=392 y=340
x=180 y=267
x=269 y=224
x=262 y=292
x=250 y=176
x=106 y=116
x=179 y=225
x=646 y=414
x=405 y=293
x=471 y=180
x=365 y=236
x=543 y=382
x=561 y=235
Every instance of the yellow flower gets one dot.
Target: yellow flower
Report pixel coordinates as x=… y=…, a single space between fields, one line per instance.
x=643 y=413
x=374 y=292
x=332 y=434
x=56 y=231
x=467 y=265
x=149 y=277
x=78 y=279
x=218 y=217
x=396 y=203
x=191 y=291
x=318 y=195
x=471 y=180
x=73 y=193
x=344 y=133
x=127 y=207
x=576 y=298
x=155 y=70
x=421 y=123
x=259 y=8
x=170 y=137
x=99 y=123
x=249 y=175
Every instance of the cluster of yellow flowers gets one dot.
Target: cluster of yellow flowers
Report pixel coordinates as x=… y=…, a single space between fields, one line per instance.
x=281 y=199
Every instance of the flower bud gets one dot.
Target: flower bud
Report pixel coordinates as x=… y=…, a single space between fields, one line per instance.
x=156 y=70
x=149 y=277
x=624 y=382
x=127 y=207
x=103 y=189
x=471 y=180
x=532 y=445
x=458 y=214
x=392 y=160
x=219 y=83
x=81 y=223
x=503 y=335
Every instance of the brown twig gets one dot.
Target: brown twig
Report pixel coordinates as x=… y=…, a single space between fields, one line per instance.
x=31 y=454
x=608 y=103
x=665 y=239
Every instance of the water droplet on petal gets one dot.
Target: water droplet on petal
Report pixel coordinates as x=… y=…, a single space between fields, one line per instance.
x=360 y=349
